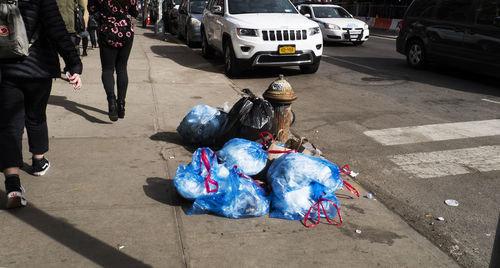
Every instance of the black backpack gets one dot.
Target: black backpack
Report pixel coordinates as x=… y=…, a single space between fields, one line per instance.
x=14 y=42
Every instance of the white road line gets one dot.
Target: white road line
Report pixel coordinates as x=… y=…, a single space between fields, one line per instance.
x=435 y=132
x=497 y=102
x=451 y=162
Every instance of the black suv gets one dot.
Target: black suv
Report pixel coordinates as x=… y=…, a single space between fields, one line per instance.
x=463 y=33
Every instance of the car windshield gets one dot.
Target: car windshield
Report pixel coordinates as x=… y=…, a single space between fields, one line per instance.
x=330 y=12
x=260 y=6
x=177 y=2
x=196 y=7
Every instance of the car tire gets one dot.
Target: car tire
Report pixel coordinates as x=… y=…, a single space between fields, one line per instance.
x=180 y=36
x=231 y=66
x=415 y=54
x=189 y=43
x=358 y=43
x=206 y=50
x=311 y=68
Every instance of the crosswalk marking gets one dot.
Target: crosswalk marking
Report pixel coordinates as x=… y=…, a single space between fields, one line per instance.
x=435 y=132
x=450 y=162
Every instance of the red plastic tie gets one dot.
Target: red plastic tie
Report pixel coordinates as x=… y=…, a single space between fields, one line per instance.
x=346 y=184
x=351 y=188
x=208 y=180
x=344 y=168
x=264 y=140
x=318 y=204
x=250 y=179
x=282 y=152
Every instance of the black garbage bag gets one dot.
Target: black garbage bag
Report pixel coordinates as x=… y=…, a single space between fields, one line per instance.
x=249 y=116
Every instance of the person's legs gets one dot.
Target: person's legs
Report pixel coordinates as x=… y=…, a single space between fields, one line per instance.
x=93 y=39
x=36 y=96
x=122 y=77
x=108 y=58
x=11 y=132
x=85 y=44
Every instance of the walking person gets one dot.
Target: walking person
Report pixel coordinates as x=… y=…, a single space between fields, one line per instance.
x=81 y=20
x=25 y=88
x=92 y=25
x=115 y=35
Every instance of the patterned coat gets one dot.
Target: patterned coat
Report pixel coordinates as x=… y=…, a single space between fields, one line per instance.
x=115 y=28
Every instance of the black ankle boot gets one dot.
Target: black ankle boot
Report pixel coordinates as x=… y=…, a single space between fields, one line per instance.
x=112 y=108
x=121 y=108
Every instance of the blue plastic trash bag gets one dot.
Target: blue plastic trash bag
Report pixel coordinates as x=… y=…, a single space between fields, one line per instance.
x=245 y=198
x=305 y=203
x=295 y=170
x=247 y=155
x=202 y=125
x=204 y=176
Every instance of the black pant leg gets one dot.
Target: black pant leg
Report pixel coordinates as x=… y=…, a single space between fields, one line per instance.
x=108 y=58
x=11 y=124
x=121 y=70
x=36 y=97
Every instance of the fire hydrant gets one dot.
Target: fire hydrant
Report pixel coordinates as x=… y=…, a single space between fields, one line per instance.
x=281 y=96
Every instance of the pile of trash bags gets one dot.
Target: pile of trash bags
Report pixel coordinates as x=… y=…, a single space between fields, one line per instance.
x=299 y=186
x=205 y=125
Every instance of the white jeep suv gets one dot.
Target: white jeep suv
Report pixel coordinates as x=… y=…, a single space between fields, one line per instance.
x=253 y=33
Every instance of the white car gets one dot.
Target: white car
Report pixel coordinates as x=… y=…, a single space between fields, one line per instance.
x=253 y=33
x=336 y=23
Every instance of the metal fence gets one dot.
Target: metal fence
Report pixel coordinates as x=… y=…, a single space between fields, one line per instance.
x=375 y=11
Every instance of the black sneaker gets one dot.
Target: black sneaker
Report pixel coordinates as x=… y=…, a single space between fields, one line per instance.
x=40 y=166
x=15 y=191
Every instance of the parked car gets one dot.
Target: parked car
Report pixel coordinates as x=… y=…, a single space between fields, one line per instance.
x=189 y=20
x=336 y=24
x=170 y=11
x=463 y=33
x=253 y=33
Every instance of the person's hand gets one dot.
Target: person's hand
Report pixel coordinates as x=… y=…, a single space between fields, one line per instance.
x=75 y=80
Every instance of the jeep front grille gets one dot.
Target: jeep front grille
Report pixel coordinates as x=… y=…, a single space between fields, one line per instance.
x=284 y=35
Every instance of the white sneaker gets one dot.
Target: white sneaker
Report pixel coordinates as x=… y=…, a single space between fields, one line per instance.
x=16 y=199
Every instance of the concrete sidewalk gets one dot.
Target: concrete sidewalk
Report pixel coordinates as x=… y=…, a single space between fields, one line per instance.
x=109 y=200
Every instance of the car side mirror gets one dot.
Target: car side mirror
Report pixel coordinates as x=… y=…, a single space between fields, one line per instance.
x=216 y=9
x=307 y=15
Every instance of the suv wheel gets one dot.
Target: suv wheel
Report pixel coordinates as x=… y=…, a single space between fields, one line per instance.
x=206 y=50
x=310 y=69
x=189 y=42
x=415 y=54
x=231 y=68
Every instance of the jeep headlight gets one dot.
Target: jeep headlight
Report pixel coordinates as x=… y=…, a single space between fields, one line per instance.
x=332 y=26
x=246 y=32
x=194 y=22
x=313 y=31
x=365 y=27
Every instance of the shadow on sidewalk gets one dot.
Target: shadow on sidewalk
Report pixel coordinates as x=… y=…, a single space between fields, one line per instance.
x=77 y=108
x=495 y=255
x=174 y=138
x=66 y=234
x=163 y=191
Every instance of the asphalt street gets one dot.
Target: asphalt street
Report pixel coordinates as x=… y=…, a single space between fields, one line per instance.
x=417 y=137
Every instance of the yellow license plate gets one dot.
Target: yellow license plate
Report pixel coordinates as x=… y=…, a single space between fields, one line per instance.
x=287 y=50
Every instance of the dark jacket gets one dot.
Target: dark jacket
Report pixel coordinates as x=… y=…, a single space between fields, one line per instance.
x=43 y=17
